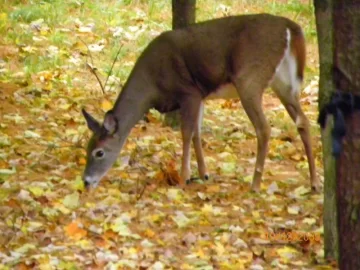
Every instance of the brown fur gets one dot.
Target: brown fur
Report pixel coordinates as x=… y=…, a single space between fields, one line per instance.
x=181 y=68
x=298 y=49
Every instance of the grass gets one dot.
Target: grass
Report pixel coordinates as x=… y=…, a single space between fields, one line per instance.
x=136 y=21
x=58 y=15
x=51 y=11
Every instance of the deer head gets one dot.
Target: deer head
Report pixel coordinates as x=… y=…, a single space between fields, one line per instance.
x=103 y=147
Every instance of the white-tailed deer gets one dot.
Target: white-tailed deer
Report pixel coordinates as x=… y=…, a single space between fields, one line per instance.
x=232 y=57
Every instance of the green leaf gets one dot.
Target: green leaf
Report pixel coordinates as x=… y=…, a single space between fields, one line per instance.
x=36 y=191
x=78 y=184
x=7 y=171
x=72 y=200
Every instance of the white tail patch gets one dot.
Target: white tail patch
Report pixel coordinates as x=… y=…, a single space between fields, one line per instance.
x=286 y=72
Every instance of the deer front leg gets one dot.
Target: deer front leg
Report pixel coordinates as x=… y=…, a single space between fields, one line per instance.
x=189 y=110
x=198 y=147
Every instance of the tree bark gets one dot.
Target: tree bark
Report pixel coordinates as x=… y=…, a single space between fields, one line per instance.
x=347 y=62
x=183 y=14
x=324 y=26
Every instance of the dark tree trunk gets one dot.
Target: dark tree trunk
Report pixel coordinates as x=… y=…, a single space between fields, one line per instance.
x=183 y=14
x=347 y=62
x=324 y=25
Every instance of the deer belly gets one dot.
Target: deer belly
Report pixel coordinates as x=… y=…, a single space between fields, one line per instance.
x=225 y=91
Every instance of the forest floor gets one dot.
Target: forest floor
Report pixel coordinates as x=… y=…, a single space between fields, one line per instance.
x=134 y=219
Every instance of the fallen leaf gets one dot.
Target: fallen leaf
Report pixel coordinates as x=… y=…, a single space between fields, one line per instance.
x=73 y=230
x=72 y=200
x=293 y=209
x=106 y=105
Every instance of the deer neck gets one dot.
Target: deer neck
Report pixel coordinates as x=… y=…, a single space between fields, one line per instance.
x=134 y=101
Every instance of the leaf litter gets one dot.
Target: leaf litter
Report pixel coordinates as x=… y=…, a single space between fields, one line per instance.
x=138 y=218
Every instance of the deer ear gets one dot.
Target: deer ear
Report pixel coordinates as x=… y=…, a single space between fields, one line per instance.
x=91 y=122
x=110 y=122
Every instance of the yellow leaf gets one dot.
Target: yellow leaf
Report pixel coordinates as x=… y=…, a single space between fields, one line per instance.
x=255 y=214
x=174 y=194
x=44 y=262
x=48 y=86
x=36 y=191
x=106 y=105
x=186 y=266
x=207 y=208
x=61 y=208
x=227 y=167
x=248 y=178
x=200 y=253
x=287 y=253
x=3 y=18
x=232 y=266
x=296 y=157
x=64 y=106
x=293 y=209
x=78 y=184
x=220 y=249
x=45 y=75
x=133 y=251
x=71 y=200
x=29 y=49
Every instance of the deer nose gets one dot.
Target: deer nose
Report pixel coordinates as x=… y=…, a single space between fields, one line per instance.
x=87 y=181
x=87 y=184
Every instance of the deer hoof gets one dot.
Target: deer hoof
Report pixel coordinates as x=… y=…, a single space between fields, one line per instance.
x=206 y=177
x=188 y=181
x=315 y=188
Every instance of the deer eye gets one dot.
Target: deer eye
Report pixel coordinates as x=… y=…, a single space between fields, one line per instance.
x=99 y=153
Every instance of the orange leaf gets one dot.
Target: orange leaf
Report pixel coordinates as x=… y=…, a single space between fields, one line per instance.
x=74 y=231
x=110 y=235
x=101 y=243
x=22 y=266
x=149 y=233
x=12 y=203
x=81 y=161
x=213 y=189
x=151 y=118
x=168 y=174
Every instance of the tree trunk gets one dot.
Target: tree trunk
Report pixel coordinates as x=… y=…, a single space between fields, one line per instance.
x=324 y=25
x=347 y=62
x=183 y=14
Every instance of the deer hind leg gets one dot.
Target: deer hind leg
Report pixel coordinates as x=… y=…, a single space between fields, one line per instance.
x=197 y=145
x=250 y=93
x=189 y=109
x=286 y=85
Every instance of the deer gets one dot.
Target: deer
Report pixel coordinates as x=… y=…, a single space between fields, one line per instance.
x=225 y=58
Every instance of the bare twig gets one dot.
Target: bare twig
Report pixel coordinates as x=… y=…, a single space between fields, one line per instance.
x=112 y=66
x=92 y=70
x=91 y=67
x=139 y=196
x=91 y=58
